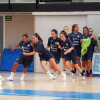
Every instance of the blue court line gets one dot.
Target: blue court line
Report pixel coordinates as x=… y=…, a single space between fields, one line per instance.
x=62 y=95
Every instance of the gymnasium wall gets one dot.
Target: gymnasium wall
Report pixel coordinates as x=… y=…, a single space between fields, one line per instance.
x=14 y=29
x=45 y=23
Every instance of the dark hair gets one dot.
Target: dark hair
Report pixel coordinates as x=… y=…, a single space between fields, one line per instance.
x=85 y=27
x=26 y=35
x=54 y=30
x=63 y=32
x=37 y=35
x=91 y=28
x=73 y=27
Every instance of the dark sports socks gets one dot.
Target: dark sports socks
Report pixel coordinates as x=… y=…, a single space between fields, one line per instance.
x=82 y=74
x=87 y=72
x=90 y=71
x=73 y=71
x=83 y=71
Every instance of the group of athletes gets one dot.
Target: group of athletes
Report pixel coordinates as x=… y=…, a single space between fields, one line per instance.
x=66 y=46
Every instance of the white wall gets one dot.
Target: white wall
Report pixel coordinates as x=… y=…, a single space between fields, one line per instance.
x=93 y=21
x=44 y=24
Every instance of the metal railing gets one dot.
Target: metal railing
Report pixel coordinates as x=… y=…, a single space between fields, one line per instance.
x=34 y=1
x=18 y=1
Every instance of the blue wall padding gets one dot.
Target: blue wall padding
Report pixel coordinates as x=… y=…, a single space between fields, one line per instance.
x=9 y=58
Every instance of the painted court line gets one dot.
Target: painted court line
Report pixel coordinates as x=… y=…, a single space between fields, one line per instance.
x=62 y=95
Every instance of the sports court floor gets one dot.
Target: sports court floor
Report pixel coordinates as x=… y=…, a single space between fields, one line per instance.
x=38 y=87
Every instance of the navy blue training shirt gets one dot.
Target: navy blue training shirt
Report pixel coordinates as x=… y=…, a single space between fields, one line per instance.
x=42 y=51
x=95 y=43
x=75 y=38
x=53 y=46
x=67 y=45
x=26 y=47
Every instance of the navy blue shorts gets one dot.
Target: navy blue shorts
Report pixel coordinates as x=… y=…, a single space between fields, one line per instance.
x=62 y=55
x=72 y=57
x=46 y=58
x=57 y=59
x=78 y=52
x=26 y=61
x=87 y=56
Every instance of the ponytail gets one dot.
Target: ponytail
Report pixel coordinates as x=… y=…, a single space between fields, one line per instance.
x=63 y=32
x=37 y=35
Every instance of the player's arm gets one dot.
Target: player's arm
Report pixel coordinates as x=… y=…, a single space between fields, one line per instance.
x=48 y=44
x=69 y=50
x=92 y=37
x=37 y=49
x=95 y=49
x=47 y=47
x=32 y=44
x=29 y=54
x=59 y=46
x=81 y=41
x=15 y=47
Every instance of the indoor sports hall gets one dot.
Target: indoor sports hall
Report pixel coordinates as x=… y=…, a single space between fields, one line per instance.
x=28 y=58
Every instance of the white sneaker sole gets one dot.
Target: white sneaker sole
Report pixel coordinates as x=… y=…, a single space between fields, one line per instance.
x=9 y=79
x=21 y=79
x=83 y=79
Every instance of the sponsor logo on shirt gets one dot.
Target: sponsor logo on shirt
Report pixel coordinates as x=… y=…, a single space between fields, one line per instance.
x=78 y=36
x=28 y=45
x=51 y=40
x=56 y=43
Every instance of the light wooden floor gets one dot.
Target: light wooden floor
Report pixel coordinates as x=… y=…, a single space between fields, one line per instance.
x=41 y=82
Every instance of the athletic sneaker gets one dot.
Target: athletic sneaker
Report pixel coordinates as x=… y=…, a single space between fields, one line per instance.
x=83 y=71
x=10 y=78
x=55 y=75
x=86 y=75
x=64 y=72
x=90 y=75
x=63 y=77
x=22 y=78
x=1 y=78
x=83 y=78
x=73 y=76
x=52 y=77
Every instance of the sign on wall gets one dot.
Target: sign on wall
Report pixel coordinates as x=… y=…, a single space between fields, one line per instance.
x=8 y=18
x=96 y=64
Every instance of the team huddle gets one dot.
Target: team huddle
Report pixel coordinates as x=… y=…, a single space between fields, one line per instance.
x=66 y=47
